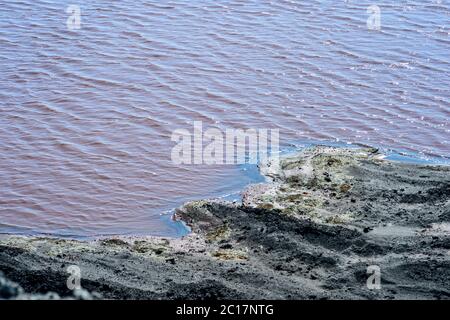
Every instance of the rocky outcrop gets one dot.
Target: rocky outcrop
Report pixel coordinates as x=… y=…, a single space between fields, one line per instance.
x=327 y=219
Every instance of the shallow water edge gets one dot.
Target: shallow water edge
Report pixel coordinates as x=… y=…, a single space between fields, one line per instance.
x=328 y=215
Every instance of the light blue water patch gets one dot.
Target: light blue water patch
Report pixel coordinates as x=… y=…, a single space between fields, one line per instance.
x=229 y=190
x=391 y=154
x=417 y=158
x=180 y=227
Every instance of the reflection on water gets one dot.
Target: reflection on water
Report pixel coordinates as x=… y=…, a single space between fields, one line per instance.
x=86 y=115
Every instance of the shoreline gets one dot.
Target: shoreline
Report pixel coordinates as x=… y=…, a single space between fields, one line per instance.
x=327 y=214
x=252 y=176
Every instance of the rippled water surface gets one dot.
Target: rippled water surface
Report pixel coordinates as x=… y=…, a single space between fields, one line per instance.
x=86 y=116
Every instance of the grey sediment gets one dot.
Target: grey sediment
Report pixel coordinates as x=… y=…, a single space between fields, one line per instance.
x=309 y=233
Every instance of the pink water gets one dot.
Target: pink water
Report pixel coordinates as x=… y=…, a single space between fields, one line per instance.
x=86 y=116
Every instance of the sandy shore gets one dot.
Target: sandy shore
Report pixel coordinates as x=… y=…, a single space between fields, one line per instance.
x=310 y=233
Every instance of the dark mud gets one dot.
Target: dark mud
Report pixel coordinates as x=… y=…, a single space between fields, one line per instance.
x=311 y=233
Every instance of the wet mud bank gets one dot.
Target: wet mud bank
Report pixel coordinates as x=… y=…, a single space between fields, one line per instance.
x=326 y=215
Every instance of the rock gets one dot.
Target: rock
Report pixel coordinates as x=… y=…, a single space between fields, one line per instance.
x=289 y=239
